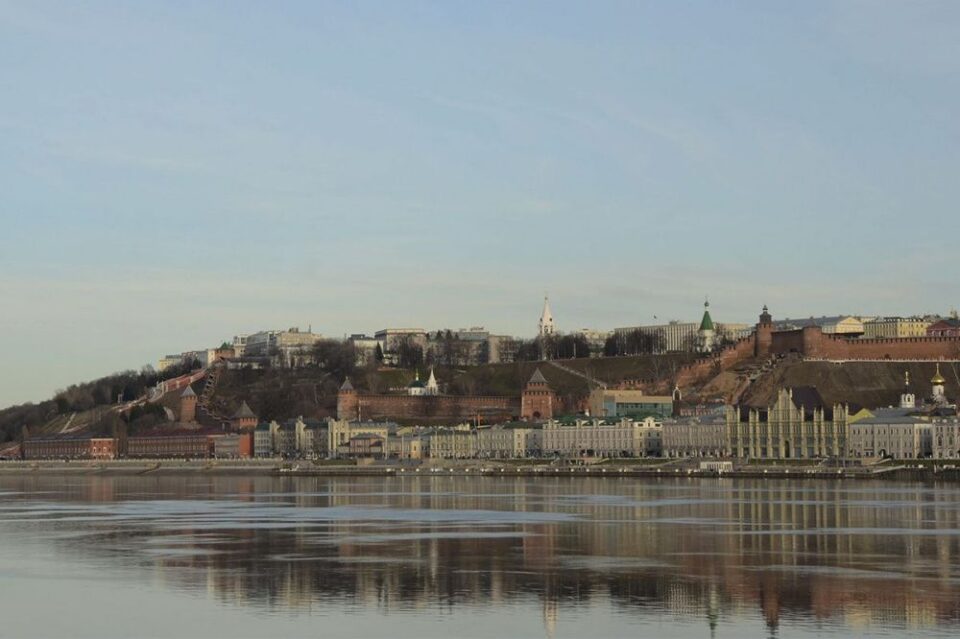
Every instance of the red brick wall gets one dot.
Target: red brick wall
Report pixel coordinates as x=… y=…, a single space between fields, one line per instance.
x=813 y=343
x=349 y=405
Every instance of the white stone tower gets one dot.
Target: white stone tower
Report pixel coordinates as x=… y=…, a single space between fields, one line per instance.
x=907 y=398
x=706 y=336
x=546 y=319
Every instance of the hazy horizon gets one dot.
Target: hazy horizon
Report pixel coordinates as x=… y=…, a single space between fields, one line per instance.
x=173 y=175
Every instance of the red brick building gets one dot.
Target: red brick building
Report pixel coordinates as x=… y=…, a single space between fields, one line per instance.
x=57 y=447
x=192 y=444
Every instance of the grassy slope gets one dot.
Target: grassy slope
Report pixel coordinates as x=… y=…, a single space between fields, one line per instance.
x=870 y=384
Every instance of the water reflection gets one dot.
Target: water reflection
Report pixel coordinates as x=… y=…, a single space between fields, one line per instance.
x=768 y=557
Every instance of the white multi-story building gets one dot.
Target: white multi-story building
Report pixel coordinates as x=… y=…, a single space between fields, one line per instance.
x=365 y=347
x=626 y=438
x=945 y=438
x=285 y=347
x=341 y=431
x=453 y=444
x=239 y=345
x=892 y=432
x=694 y=437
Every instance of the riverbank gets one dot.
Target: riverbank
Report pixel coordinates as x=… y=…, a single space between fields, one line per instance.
x=272 y=467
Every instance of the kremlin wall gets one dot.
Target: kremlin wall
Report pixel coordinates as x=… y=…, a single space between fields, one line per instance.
x=537 y=401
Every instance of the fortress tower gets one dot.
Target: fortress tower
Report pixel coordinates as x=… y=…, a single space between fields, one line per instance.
x=763 y=338
x=188 y=406
x=537 y=400
x=244 y=418
x=348 y=402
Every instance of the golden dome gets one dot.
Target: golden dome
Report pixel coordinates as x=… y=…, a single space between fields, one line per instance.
x=938 y=378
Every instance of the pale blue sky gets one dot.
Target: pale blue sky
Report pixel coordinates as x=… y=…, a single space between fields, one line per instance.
x=172 y=173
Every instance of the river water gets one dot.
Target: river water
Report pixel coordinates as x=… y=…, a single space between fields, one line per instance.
x=420 y=557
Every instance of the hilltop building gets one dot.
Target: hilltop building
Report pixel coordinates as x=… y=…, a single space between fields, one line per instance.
x=846 y=325
x=895 y=327
x=286 y=348
x=704 y=337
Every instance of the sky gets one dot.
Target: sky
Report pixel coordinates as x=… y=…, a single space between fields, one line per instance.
x=174 y=173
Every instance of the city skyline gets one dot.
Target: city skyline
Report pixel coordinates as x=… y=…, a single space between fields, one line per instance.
x=174 y=175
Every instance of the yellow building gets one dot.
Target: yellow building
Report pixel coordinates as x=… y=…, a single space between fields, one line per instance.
x=889 y=327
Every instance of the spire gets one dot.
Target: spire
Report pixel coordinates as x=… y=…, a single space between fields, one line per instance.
x=546 y=318
x=432 y=382
x=347 y=386
x=706 y=324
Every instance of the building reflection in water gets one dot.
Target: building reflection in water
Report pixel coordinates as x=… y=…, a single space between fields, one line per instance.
x=854 y=555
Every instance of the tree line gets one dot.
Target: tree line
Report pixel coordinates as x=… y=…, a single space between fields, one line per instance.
x=123 y=386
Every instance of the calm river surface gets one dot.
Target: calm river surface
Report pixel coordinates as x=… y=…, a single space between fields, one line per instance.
x=476 y=557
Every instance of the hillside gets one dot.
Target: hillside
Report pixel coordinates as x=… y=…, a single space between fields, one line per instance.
x=312 y=392
x=869 y=384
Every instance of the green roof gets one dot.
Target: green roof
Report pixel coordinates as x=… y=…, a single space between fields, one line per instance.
x=706 y=324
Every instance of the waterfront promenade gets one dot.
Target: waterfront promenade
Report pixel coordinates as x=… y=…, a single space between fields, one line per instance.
x=924 y=470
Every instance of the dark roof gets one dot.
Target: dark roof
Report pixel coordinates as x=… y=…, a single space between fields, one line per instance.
x=244 y=412
x=807 y=397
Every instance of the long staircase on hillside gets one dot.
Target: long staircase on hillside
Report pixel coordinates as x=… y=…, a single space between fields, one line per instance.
x=204 y=402
x=592 y=381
